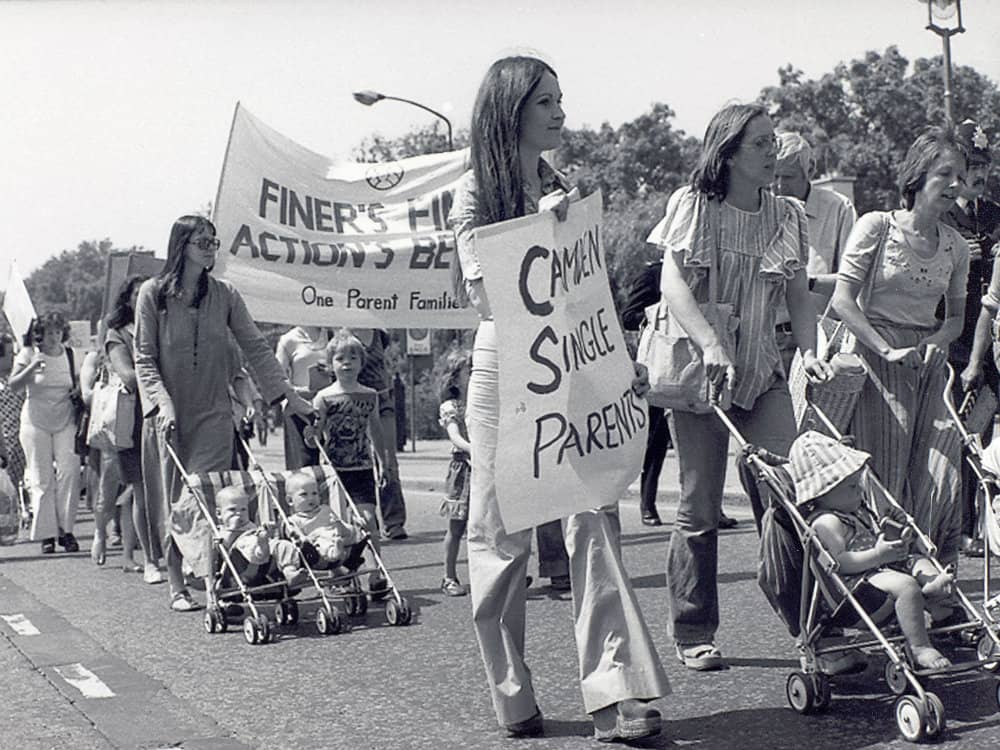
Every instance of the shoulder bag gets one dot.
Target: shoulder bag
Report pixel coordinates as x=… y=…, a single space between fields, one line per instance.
x=112 y=413
x=677 y=377
x=838 y=397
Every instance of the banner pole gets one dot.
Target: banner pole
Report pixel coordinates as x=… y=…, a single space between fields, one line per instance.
x=413 y=408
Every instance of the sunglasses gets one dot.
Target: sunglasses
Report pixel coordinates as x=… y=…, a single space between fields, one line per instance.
x=205 y=243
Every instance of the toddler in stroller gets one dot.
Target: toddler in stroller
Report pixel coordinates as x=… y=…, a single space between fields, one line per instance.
x=325 y=540
x=828 y=479
x=256 y=556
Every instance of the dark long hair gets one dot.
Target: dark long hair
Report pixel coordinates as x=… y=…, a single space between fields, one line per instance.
x=929 y=146
x=168 y=280
x=122 y=313
x=496 y=132
x=723 y=137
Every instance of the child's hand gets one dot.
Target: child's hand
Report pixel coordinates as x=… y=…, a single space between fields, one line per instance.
x=891 y=551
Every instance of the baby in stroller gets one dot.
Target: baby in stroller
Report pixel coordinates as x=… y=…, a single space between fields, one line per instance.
x=828 y=477
x=325 y=538
x=257 y=557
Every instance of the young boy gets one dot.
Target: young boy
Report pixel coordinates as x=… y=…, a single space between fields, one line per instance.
x=828 y=475
x=333 y=540
x=255 y=554
x=348 y=414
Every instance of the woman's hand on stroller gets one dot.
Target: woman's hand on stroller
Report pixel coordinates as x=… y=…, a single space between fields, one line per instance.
x=719 y=368
x=166 y=419
x=817 y=371
x=908 y=356
x=972 y=376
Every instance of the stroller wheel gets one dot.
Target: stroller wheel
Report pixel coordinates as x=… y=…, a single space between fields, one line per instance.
x=215 y=621
x=987 y=649
x=292 y=611
x=328 y=622
x=895 y=678
x=800 y=693
x=935 y=715
x=251 y=632
x=268 y=634
x=823 y=692
x=911 y=718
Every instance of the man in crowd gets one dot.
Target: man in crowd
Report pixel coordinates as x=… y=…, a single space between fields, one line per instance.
x=831 y=217
x=978 y=220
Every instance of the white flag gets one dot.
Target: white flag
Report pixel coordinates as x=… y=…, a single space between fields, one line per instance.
x=17 y=304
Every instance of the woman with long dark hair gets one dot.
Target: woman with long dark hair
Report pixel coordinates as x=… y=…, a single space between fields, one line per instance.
x=517 y=116
x=907 y=260
x=119 y=348
x=727 y=222
x=184 y=317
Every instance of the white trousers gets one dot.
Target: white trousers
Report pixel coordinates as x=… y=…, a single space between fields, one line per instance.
x=53 y=473
x=617 y=659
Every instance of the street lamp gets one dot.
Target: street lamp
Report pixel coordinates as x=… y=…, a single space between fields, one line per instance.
x=943 y=10
x=368 y=98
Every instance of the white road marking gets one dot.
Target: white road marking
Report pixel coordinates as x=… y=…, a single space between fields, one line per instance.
x=21 y=624
x=85 y=681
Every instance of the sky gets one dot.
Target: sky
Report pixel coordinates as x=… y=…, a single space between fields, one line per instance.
x=116 y=114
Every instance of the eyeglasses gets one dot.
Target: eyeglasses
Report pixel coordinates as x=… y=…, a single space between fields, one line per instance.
x=765 y=143
x=205 y=243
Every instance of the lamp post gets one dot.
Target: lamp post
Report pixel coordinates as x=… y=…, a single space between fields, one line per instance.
x=943 y=10
x=368 y=98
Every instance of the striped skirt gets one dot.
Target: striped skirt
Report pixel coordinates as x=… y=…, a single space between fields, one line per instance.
x=916 y=449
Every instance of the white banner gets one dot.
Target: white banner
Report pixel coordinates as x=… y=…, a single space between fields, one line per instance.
x=572 y=432
x=311 y=242
x=17 y=304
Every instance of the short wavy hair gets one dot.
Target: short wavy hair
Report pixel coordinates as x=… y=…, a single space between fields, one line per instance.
x=794 y=148
x=930 y=145
x=50 y=320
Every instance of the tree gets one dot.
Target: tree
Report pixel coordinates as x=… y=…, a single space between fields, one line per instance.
x=865 y=114
x=73 y=281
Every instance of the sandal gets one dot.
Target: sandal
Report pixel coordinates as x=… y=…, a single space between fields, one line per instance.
x=182 y=602
x=701 y=657
x=452 y=587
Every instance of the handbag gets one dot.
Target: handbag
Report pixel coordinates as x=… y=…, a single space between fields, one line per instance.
x=112 y=414
x=81 y=414
x=837 y=397
x=677 y=377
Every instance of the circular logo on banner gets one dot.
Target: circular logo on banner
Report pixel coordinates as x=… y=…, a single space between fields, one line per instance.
x=382 y=179
x=418 y=341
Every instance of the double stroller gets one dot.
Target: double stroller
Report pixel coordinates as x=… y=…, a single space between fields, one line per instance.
x=829 y=616
x=230 y=596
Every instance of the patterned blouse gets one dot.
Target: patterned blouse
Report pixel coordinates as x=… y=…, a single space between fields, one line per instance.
x=11 y=402
x=757 y=253
x=907 y=287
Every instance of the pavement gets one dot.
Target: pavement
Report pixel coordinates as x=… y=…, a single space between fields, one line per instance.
x=93 y=658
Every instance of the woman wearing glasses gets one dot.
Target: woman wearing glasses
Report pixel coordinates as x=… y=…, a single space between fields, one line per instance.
x=727 y=219
x=184 y=318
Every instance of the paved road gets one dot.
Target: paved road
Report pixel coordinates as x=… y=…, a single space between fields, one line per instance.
x=72 y=633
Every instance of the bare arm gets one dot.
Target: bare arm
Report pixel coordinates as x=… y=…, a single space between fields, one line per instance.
x=831 y=531
x=121 y=364
x=24 y=371
x=455 y=436
x=803 y=319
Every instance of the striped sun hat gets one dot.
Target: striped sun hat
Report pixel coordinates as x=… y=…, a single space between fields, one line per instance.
x=818 y=463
